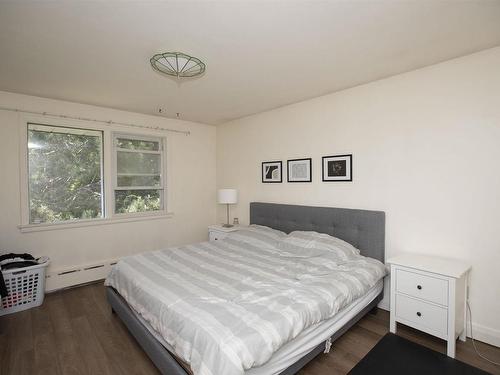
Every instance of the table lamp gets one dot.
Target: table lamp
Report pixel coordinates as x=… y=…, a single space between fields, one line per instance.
x=227 y=197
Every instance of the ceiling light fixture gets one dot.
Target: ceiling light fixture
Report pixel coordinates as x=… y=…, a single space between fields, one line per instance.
x=177 y=64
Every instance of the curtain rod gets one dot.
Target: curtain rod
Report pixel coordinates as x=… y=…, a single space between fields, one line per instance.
x=109 y=122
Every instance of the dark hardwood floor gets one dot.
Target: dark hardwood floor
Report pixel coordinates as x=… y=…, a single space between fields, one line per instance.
x=74 y=332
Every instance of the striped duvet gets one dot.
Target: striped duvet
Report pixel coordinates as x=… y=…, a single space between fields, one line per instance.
x=227 y=306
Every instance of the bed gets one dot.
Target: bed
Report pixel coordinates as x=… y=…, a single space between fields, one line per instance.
x=363 y=229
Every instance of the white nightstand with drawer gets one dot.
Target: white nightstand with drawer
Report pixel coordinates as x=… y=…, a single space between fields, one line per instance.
x=218 y=232
x=429 y=294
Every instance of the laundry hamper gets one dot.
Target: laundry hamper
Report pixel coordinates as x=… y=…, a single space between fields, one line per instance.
x=26 y=287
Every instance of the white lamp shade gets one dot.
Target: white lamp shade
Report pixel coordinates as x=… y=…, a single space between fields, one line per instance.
x=227 y=196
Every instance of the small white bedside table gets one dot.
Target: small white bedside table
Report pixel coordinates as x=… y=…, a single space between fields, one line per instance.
x=430 y=293
x=218 y=232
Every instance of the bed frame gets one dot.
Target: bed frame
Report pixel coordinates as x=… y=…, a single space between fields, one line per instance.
x=362 y=228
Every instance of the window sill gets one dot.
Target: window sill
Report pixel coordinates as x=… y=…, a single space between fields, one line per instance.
x=27 y=228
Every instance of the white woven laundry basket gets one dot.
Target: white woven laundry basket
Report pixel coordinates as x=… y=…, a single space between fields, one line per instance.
x=26 y=287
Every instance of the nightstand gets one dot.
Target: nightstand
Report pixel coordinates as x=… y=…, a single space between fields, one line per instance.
x=429 y=294
x=218 y=232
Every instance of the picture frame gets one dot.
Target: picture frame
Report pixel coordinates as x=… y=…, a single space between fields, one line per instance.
x=337 y=168
x=272 y=172
x=299 y=170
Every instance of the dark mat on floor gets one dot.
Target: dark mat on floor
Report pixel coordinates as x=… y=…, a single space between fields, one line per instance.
x=396 y=355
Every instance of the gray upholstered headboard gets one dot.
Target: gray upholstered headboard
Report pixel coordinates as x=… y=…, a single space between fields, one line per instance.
x=362 y=228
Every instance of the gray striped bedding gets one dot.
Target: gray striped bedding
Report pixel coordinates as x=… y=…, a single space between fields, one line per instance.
x=226 y=306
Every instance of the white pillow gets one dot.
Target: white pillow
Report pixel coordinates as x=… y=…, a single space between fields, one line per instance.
x=275 y=233
x=297 y=247
x=258 y=235
x=322 y=242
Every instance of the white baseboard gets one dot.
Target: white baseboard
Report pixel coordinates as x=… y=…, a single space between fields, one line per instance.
x=485 y=334
x=384 y=305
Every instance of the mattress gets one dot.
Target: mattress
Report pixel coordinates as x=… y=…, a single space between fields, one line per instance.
x=304 y=343
x=228 y=306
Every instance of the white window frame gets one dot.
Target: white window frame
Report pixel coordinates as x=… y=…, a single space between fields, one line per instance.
x=107 y=171
x=163 y=187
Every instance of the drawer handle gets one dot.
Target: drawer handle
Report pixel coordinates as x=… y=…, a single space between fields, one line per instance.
x=419 y=313
x=419 y=287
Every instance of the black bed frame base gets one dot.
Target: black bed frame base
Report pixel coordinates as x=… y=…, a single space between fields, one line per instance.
x=166 y=362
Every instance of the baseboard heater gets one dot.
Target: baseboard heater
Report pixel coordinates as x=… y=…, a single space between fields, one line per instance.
x=76 y=275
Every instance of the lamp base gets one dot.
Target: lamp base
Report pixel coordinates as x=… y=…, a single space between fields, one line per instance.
x=227 y=225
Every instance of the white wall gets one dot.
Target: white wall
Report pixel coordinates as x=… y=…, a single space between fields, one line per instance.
x=426 y=150
x=191 y=173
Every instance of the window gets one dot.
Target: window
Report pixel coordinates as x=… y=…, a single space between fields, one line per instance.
x=64 y=174
x=70 y=177
x=138 y=184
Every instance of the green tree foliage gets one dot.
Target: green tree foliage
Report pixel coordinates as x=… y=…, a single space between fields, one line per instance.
x=64 y=176
x=136 y=144
x=137 y=201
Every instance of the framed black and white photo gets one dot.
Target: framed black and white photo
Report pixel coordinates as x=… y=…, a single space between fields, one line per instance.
x=337 y=168
x=271 y=172
x=299 y=170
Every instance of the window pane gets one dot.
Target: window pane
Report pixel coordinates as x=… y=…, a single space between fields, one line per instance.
x=127 y=201
x=64 y=174
x=152 y=181
x=138 y=163
x=137 y=144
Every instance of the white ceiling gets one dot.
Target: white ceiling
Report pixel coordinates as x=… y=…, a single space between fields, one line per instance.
x=259 y=54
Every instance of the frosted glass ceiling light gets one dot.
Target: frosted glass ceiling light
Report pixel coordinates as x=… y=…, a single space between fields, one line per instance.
x=177 y=64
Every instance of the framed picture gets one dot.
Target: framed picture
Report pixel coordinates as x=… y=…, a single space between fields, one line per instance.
x=337 y=168
x=271 y=172
x=299 y=170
